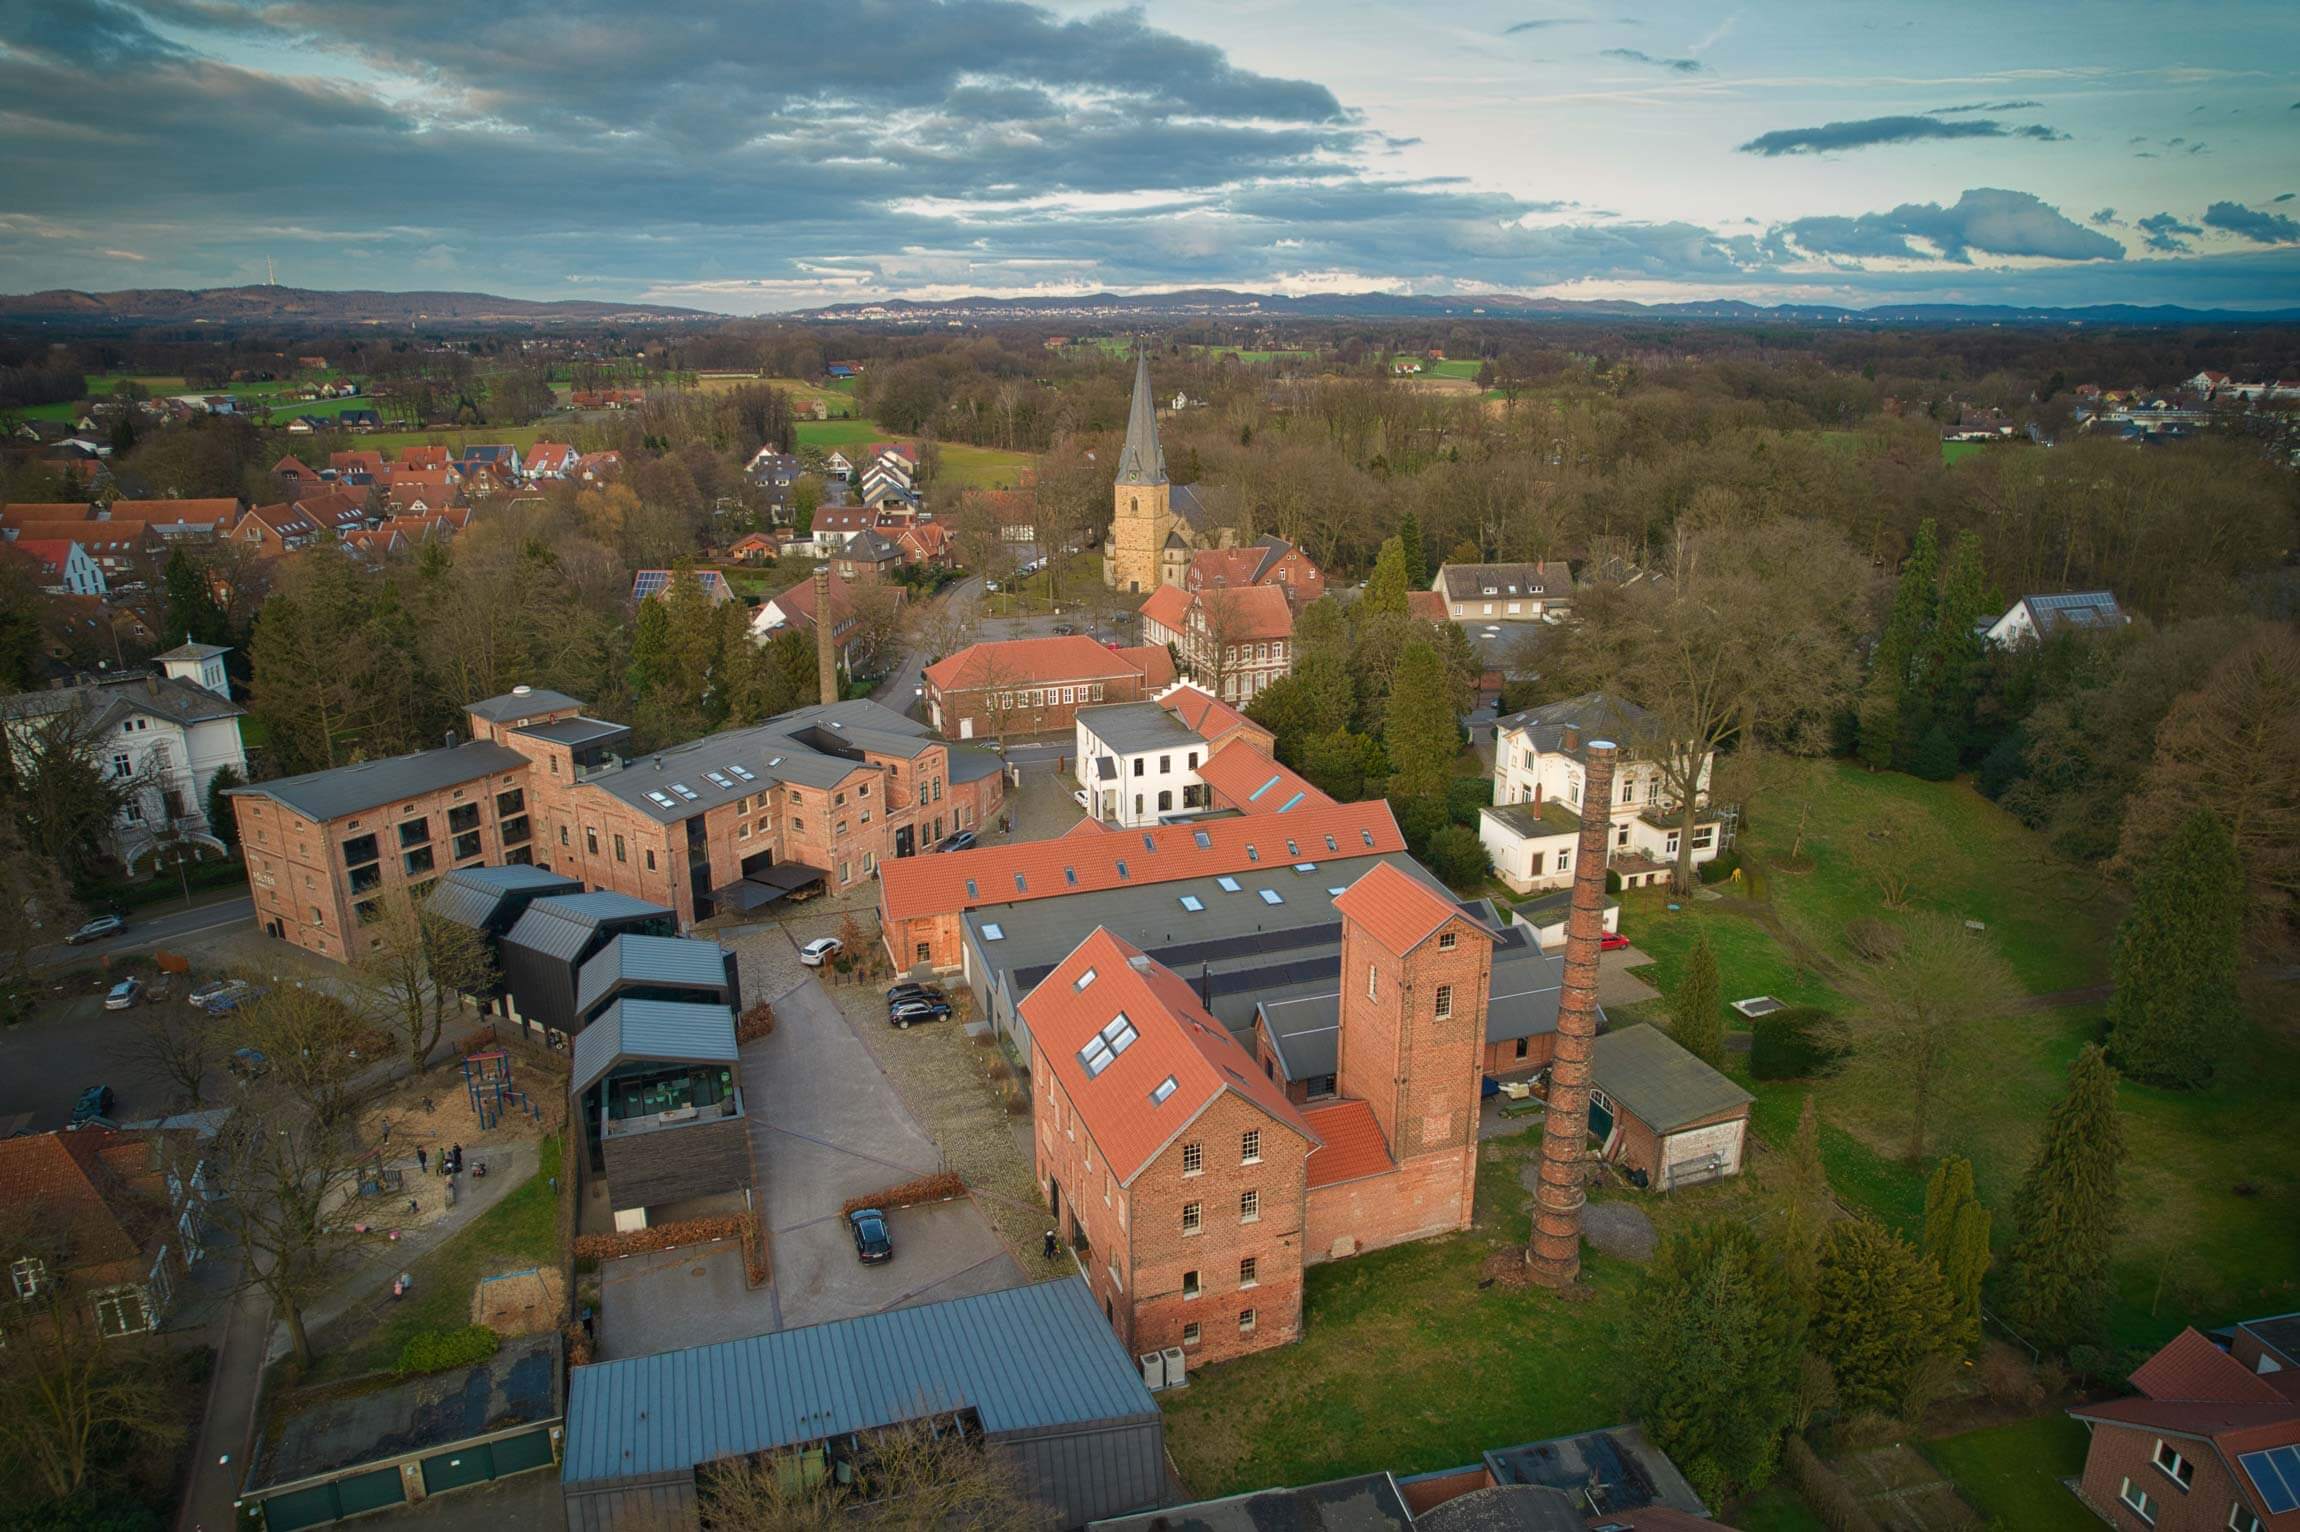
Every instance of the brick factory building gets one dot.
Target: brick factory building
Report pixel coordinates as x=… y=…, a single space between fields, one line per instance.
x=1012 y=686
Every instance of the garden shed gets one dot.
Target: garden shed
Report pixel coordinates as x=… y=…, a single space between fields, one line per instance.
x=1659 y=1111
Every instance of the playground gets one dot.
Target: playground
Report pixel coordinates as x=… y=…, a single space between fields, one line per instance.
x=487 y=1100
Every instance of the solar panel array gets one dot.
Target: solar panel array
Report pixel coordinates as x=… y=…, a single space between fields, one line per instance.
x=2276 y=1474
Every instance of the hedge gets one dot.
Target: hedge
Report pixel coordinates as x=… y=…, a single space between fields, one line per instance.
x=939 y=1187
x=755 y=1022
x=445 y=1350
x=743 y=1228
x=1721 y=867
x=1794 y=1044
x=1825 y=1494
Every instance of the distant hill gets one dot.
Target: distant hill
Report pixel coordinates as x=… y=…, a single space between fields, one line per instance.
x=1222 y=303
x=266 y=305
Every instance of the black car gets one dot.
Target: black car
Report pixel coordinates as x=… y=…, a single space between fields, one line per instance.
x=902 y=992
x=957 y=840
x=94 y=1102
x=903 y=1012
x=872 y=1241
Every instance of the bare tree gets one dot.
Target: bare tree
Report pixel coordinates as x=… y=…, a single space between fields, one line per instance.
x=418 y=966
x=1916 y=1012
x=36 y=908
x=181 y=1044
x=874 y=626
x=1218 y=642
x=927 y=1476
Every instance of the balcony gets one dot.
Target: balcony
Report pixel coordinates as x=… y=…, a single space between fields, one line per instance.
x=612 y=1127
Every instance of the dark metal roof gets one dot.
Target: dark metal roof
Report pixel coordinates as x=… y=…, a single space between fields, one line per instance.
x=682 y=962
x=518 y=1385
x=1026 y=1359
x=561 y=925
x=819 y=746
x=1658 y=1082
x=1141 y=460
x=325 y=795
x=1619 y=1469
x=668 y=1030
x=522 y=705
x=969 y=764
x=1132 y=727
x=474 y=896
x=1592 y=715
x=1366 y=1503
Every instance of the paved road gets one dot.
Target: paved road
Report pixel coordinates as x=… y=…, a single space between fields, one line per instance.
x=899 y=690
x=146 y=931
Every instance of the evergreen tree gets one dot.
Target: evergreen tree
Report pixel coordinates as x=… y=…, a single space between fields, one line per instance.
x=222 y=822
x=1891 y=707
x=2066 y=1213
x=1952 y=649
x=1421 y=731
x=1808 y=1202
x=1386 y=589
x=1417 y=557
x=1879 y=1309
x=193 y=614
x=1713 y=1372
x=1344 y=766
x=1935 y=758
x=1957 y=1241
x=2175 y=1007
x=1694 y=1004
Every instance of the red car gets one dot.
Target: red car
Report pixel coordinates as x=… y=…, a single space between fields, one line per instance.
x=1613 y=941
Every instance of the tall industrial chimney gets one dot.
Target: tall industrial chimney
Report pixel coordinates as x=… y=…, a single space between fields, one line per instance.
x=826 y=639
x=1555 y=1254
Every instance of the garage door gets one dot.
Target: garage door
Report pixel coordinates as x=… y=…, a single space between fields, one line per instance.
x=327 y=1502
x=515 y=1454
x=1702 y=1154
x=453 y=1470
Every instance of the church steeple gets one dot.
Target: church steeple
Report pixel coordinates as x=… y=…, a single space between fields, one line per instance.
x=1142 y=460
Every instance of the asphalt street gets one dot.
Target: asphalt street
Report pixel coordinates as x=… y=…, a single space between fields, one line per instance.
x=154 y=929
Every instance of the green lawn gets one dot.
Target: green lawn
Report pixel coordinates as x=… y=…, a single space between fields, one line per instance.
x=522 y=437
x=971 y=467
x=2012 y=1473
x=828 y=434
x=1776 y=1508
x=1444 y=367
x=1954 y=453
x=519 y=1232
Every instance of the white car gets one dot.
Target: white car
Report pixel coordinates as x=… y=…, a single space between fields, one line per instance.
x=821 y=950
x=123 y=995
x=1083 y=799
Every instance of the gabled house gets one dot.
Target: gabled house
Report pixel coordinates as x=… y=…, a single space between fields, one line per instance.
x=752 y=548
x=370 y=464
x=295 y=477
x=1233 y=642
x=181 y=520
x=924 y=543
x=117 y=1226
x=428 y=458
x=550 y=460
x=795 y=609
x=1480 y=593
x=2032 y=619
x=359 y=420
x=867 y=557
x=2211 y=1440
x=274 y=530
x=1264 y=561
x=61 y=565
x=598 y=467
x=647 y=583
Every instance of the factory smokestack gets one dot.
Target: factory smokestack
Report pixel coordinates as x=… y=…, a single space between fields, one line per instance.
x=826 y=638
x=1555 y=1254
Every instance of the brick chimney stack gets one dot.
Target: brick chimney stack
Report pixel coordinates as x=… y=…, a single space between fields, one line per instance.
x=1555 y=1254
x=826 y=637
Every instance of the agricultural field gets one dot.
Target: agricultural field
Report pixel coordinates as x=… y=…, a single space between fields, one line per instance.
x=522 y=437
x=828 y=434
x=964 y=466
x=1448 y=367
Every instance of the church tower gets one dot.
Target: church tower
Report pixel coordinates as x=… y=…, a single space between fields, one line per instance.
x=1142 y=503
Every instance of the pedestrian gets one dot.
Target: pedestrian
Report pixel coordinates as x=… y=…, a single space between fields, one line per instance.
x=413 y=1207
x=455 y=1158
x=1050 y=1244
x=422 y=1162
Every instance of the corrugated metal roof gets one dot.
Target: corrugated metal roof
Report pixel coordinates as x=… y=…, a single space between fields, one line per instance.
x=472 y=896
x=671 y=1030
x=531 y=704
x=561 y=924
x=1661 y=1084
x=687 y=962
x=1025 y=1359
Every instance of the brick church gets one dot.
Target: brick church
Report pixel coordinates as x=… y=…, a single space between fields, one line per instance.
x=1194 y=1188
x=1156 y=524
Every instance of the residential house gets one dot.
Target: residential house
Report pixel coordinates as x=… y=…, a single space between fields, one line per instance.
x=1015 y=686
x=753 y=548
x=18 y=514
x=866 y=557
x=794 y=610
x=1233 y=642
x=61 y=565
x=1532 y=830
x=838 y=465
x=609 y=398
x=415 y=491
x=2206 y=383
x=117 y=1225
x=550 y=460
x=426 y=458
x=1264 y=561
x=1214 y=720
x=121 y=550
x=168 y=734
x=656 y=1086
x=595 y=468
x=924 y=543
x=295 y=477
x=275 y=530
x=1138 y=763
x=1661 y=1114
x=2033 y=619
x=358 y=420
x=362 y=464
x=499 y=460
x=1483 y=593
x=181 y=520
x=653 y=582
x=2210 y=1442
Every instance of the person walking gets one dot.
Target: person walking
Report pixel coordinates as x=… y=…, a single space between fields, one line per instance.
x=422 y=1162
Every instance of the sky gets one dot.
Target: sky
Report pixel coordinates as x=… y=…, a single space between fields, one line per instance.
x=750 y=158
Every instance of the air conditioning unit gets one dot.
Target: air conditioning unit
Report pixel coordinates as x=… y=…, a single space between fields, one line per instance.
x=1153 y=1370
x=1177 y=1368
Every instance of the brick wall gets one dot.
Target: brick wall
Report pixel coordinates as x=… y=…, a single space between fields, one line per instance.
x=697 y=1159
x=2118 y=1453
x=1421 y=1198
x=1640 y=1146
x=1504 y=1059
x=970 y=705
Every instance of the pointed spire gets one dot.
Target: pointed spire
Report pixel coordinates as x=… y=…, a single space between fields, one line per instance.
x=1142 y=460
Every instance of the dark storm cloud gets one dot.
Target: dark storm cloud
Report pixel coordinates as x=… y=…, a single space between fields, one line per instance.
x=2284 y=196
x=2105 y=216
x=1640 y=56
x=1987 y=220
x=1987 y=106
x=2165 y=233
x=2261 y=228
x=1872 y=132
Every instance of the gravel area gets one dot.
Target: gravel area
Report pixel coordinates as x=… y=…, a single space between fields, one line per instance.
x=1619 y=1229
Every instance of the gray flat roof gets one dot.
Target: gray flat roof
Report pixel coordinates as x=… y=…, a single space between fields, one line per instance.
x=325 y=795
x=1306 y=1029
x=1369 y=1502
x=560 y=924
x=1032 y=1358
x=1658 y=1082
x=1631 y=1471
x=574 y=731
x=676 y=1032
x=516 y=705
x=1129 y=728
x=683 y=962
x=810 y=746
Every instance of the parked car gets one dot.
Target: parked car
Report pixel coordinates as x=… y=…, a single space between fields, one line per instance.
x=203 y=993
x=96 y=930
x=1064 y=629
x=873 y=1243
x=1612 y=941
x=229 y=996
x=94 y=1102
x=991 y=586
x=903 y=1012
x=1083 y=799
x=902 y=992
x=956 y=840
x=821 y=950
x=124 y=995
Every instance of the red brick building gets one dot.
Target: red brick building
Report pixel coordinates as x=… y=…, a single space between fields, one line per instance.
x=1264 y=561
x=1233 y=642
x=836 y=790
x=1196 y=1190
x=1036 y=685
x=2211 y=1443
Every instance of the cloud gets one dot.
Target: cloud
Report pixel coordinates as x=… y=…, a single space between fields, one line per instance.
x=2105 y=216
x=1987 y=106
x=1640 y=56
x=1870 y=132
x=2260 y=228
x=1987 y=220
x=1543 y=24
x=2283 y=197
x=2164 y=233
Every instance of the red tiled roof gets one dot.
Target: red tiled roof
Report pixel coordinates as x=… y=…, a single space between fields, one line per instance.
x=414 y=457
x=1026 y=662
x=1395 y=910
x=50 y=554
x=177 y=510
x=1353 y=1145
x=2190 y=1367
x=112 y=537
x=550 y=456
x=1237 y=615
x=1154 y=661
x=78 y=1177
x=291 y=464
x=284 y=518
x=937 y=885
x=1245 y=779
x=1202 y=712
x=1225 y=566
x=2200 y=1417
x=1168 y=606
x=1175 y=1039
x=18 y=512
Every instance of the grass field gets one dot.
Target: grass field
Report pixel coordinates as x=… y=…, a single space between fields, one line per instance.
x=827 y=434
x=1954 y=453
x=1443 y=367
x=963 y=465
x=2012 y=1473
x=522 y=437
x=2212 y=1200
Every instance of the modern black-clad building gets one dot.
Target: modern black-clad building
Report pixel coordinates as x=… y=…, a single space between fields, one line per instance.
x=542 y=955
x=673 y=968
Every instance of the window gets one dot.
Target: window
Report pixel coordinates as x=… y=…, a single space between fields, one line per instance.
x=1165 y=1088
x=650 y=861
x=27 y=1275
x=591 y=840
x=359 y=849
x=1250 y=1272
x=511 y=802
x=562 y=835
x=1193 y=1159
x=2181 y=1471
x=1190 y=1284
x=619 y=850
x=1250 y=1147
x=1271 y=896
x=1193 y=903
x=2139 y=1499
x=1249 y=1205
x=122 y=1312
x=1444 y=1001
x=417 y=862
x=1190 y=1333
x=1192 y=760
x=122 y=766
x=2241 y=1519
x=1227 y=885
x=1245 y=1321
x=1083 y=980
x=1564 y=860
x=1372 y=982
x=1138 y=765
x=414 y=832
x=1523 y=1044
x=1117 y=1035
x=1190 y=1217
